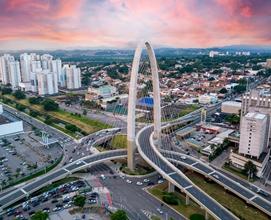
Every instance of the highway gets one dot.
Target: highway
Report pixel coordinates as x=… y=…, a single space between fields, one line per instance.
x=176 y=177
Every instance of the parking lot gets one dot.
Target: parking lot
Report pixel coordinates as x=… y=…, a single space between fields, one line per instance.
x=23 y=154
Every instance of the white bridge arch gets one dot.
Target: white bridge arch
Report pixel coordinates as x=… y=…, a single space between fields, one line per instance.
x=131 y=134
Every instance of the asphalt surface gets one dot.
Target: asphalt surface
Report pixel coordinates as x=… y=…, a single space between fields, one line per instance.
x=185 y=183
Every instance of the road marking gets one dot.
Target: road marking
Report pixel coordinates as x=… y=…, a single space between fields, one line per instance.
x=253 y=197
x=24 y=192
x=194 y=163
x=211 y=172
x=188 y=187
x=171 y=173
x=66 y=170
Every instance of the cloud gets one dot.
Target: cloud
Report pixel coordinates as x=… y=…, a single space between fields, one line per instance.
x=119 y=23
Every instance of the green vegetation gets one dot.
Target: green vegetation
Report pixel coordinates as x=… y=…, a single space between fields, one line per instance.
x=223 y=91
x=119 y=142
x=233 y=119
x=79 y=201
x=119 y=215
x=40 y=215
x=217 y=150
x=18 y=94
x=160 y=191
x=139 y=170
x=187 y=109
x=235 y=204
x=50 y=105
x=250 y=169
x=197 y=217
x=170 y=199
x=48 y=112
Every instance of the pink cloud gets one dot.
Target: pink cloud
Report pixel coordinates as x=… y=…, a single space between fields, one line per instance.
x=186 y=23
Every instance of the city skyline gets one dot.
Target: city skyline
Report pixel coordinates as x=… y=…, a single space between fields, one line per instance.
x=59 y=24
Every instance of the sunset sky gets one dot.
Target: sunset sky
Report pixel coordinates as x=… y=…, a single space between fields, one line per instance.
x=53 y=24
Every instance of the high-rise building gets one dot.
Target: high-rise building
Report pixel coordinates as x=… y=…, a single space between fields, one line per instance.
x=14 y=74
x=56 y=67
x=72 y=76
x=268 y=63
x=254 y=135
x=4 y=69
x=46 y=83
x=25 y=62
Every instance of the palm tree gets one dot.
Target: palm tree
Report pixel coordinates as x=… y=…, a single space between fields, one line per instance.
x=250 y=168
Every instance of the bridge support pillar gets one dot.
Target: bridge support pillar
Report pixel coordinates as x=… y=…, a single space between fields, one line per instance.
x=131 y=148
x=171 y=187
x=187 y=200
x=207 y=215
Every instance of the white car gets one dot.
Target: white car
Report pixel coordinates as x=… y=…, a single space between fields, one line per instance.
x=78 y=162
x=128 y=181
x=216 y=176
x=146 y=180
x=139 y=183
x=160 y=181
x=183 y=157
x=160 y=211
x=103 y=177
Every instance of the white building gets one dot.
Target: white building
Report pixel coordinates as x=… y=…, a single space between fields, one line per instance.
x=253 y=134
x=207 y=99
x=213 y=53
x=14 y=74
x=4 y=69
x=268 y=63
x=72 y=77
x=47 y=83
x=231 y=107
x=25 y=62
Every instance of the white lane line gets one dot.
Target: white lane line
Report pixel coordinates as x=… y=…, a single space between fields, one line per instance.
x=194 y=163
x=24 y=192
x=171 y=173
x=253 y=197
x=211 y=172
x=188 y=187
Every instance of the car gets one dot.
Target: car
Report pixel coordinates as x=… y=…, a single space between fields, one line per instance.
x=139 y=183
x=216 y=176
x=54 y=201
x=78 y=162
x=261 y=192
x=160 y=181
x=103 y=177
x=146 y=180
x=66 y=206
x=46 y=210
x=160 y=211
x=92 y=201
x=128 y=181
x=150 y=183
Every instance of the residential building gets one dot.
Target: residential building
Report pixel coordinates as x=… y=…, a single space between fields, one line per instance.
x=72 y=77
x=231 y=107
x=14 y=74
x=4 y=68
x=105 y=91
x=253 y=135
x=268 y=63
x=25 y=63
x=207 y=99
x=46 y=83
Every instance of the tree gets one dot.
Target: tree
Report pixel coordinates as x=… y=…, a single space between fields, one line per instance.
x=33 y=113
x=6 y=90
x=18 y=94
x=85 y=112
x=233 y=119
x=39 y=215
x=71 y=127
x=250 y=169
x=119 y=215
x=50 y=105
x=80 y=201
x=35 y=100
x=223 y=91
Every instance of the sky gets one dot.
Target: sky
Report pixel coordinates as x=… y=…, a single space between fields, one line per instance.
x=64 y=24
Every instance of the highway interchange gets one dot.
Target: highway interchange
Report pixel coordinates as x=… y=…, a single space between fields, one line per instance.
x=184 y=183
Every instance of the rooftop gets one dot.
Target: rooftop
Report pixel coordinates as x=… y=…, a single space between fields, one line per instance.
x=255 y=115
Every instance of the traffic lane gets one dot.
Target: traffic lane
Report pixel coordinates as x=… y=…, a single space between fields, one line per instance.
x=210 y=204
x=46 y=179
x=137 y=198
x=259 y=201
x=187 y=160
x=14 y=195
x=233 y=185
